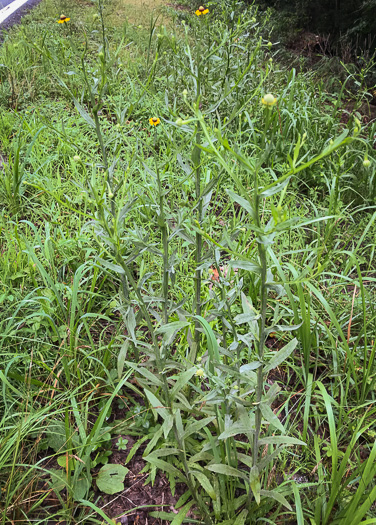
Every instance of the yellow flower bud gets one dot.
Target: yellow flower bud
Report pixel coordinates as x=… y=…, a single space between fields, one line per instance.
x=268 y=100
x=366 y=162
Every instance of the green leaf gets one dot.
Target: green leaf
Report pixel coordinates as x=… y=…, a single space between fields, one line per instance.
x=171 y=329
x=240 y=519
x=298 y=505
x=62 y=461
x=245 y=265
x=236 y=429
x=179 y=518
x=277 y=496
x=213 y=349
x=169 y=516
x=275 y=189
x=58 y=479
x=227 y=471
x=280 y=440
x=270 y=417
x=167 y=467
x=281 y=355
x=242 y=202
x=182 y=381
x=84 y=114
x=196 y=426
x=82 y=486
x=254 y=478
x=57 y=438
x=205 y=483
x=114 y=267
x=161 y=452
x=157 y=405
x=110 y=478
x=98 y=511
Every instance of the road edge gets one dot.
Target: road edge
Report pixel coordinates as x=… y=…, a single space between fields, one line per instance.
x=16 y=17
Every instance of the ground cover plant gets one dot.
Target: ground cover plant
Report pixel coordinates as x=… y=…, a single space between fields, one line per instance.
x=187 y=274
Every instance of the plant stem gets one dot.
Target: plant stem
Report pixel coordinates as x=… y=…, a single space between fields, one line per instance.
x=260 y=350
x=196 y=157
x=164 y=232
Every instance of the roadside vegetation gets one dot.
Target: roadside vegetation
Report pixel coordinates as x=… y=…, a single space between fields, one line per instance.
x=187 y=273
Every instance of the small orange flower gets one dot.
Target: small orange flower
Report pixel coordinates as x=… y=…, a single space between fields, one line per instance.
x=63 y=19
x=202 y=11
x=154 y=121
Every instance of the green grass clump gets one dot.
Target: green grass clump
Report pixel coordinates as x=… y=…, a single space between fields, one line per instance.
x=208 y=273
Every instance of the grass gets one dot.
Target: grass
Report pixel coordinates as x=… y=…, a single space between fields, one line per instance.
x=204 y=286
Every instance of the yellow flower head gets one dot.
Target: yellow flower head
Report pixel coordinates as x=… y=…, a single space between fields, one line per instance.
x=199 y=373
x=268 y=100
x=63 y=19
x=154 y=121
x=202 y=11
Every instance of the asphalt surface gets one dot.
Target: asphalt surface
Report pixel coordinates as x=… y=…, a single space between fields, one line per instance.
x=15 y=18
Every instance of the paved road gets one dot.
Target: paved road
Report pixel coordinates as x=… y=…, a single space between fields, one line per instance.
x=11 y=11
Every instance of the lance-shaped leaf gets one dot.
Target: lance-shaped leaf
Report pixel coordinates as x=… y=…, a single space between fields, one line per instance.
x=281 y=355
x=270 y=417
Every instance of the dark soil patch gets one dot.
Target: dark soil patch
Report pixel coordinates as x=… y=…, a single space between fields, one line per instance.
x=129 y=503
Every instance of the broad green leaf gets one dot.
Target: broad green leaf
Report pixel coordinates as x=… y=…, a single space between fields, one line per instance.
x=213 y=349
x=170 y=330
x=58 y=479
x=161 y=452
x=254 y=481
x=111 y=477
x=84 y=114
x=245 y=265
x=240 y=519
x=281 y=355
x=146 y=373
x=235 y=430
x=82 y=486
x=157 y=405
x=166 y=467
x=242 y=202
x=270 y=417
x=249 y=367
x=197 y=426
x=57 y=438
x=170 y=516
x=280 y=440
x=167 y=425
x=62 y=461
x=107 y=264
x=275 y=189
x=277 y=496
x=182 y=381
x=205 y=483
x=227 y=471
x=121 y=358
x=179 y=518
